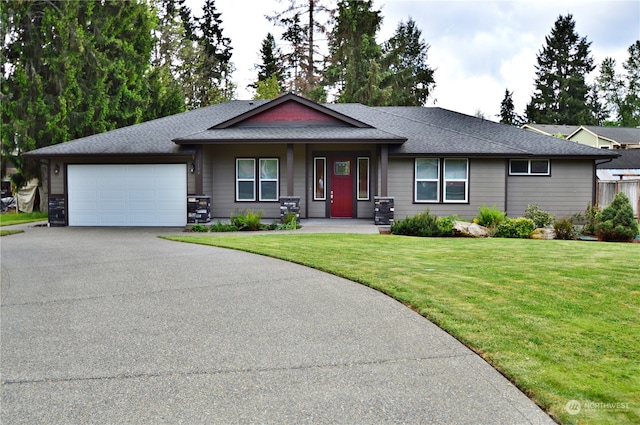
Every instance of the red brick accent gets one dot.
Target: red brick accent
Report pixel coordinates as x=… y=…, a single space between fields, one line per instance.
x=291 y=111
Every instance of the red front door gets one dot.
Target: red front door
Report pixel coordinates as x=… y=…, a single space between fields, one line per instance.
x=341 y=187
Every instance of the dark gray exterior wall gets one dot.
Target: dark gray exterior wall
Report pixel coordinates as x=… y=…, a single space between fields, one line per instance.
x=486 y=186
x=568 y=190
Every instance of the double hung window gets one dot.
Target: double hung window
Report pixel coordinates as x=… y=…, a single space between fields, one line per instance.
x=263 y=181
x=441 y=180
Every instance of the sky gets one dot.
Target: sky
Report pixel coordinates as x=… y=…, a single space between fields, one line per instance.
x=478 y=48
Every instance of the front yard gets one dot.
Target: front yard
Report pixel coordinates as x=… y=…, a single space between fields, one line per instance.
x=558 y=318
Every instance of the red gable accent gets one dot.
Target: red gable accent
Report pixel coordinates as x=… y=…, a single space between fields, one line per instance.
x=291 y=111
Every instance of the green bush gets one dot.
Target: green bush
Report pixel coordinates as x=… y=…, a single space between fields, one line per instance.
x=198 y=228
x=422 y=224
x=290 y=222
x=222 y=227
x=540 y=217
x=616 y=221
x=489 y=216
x=520 y=227
x=564 y=229
x=445 y=225
x=248 y=221
x=590 y=219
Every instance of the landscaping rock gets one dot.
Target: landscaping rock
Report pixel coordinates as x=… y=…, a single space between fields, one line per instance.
x=470 y=230
x=543 y=233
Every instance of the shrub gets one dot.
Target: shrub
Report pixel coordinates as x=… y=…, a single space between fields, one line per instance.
x=540 y=217
x=591 y=219
x=616 y=222
x=198 y=228
x=222 y=227
x=564 y=229
x=489 y=216
x=520 y=227
x=422 y=224
x=289 y=222
x=445 y=225
x=248 y=221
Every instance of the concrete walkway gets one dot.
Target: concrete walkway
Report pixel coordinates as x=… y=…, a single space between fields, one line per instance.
x=117 y=326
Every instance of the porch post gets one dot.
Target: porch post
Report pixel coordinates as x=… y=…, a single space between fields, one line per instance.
x=197 y=168
x=289 y=169
x=384 y=163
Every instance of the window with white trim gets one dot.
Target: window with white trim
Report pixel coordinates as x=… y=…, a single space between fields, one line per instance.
x=269 y=179
x=363 y=179
x=427 y=184
x=245 y=179
x=449 y=176
x=456 y=180
x=319 y=173
x=529 y=167
x=264 y=182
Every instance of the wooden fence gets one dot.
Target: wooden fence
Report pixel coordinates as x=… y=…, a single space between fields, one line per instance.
x=607 y=191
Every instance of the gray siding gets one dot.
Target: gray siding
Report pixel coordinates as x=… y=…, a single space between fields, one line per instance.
x=568 y=190
x=486 y=186
x=222 y=163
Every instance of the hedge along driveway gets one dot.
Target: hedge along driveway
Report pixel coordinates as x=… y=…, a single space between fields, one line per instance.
x=559 y=318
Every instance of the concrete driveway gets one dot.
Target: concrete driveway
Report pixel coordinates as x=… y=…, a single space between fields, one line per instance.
x=116 y=326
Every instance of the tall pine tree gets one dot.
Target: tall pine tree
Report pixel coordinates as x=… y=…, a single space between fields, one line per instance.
x=72 y=69
x=405 y=62
x=621 y=92
x=355 y=56
x=508 y=113
x=303 y=21
x=561 y=94
x=271 y=63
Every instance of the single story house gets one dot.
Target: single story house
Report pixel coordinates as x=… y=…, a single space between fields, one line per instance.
x=556 y=130
x=322 y=161
x=607 y=137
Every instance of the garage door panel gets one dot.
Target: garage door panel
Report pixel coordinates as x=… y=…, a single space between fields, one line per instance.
x=127 y=194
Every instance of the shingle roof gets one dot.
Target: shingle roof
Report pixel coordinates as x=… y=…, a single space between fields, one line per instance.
x=440 y=131
x=553 y=129
x=426 y=131
x=291 y=134
x=152 y=137
x=628 y=159
x=622 y=135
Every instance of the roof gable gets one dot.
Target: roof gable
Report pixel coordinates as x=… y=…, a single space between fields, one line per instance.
x=290 y=110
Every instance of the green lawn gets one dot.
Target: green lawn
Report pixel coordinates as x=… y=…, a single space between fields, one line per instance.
x=9 y=218
x=561 y=319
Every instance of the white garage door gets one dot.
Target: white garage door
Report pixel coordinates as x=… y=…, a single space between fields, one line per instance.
x=127 y=195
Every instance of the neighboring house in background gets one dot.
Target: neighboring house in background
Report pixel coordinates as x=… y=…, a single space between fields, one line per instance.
x=607 y=137
x=333 y=160
x=621 y=174
x=562 y=131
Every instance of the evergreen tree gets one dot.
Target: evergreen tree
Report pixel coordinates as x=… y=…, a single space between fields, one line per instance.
x=271 y=62
x=405 y=62
x=268 y=89
x=621 y=92
x=561 y=92
x=302 y=21
x=508 y=111
x=71 y=69
x=214 y=67
x=354 y=63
